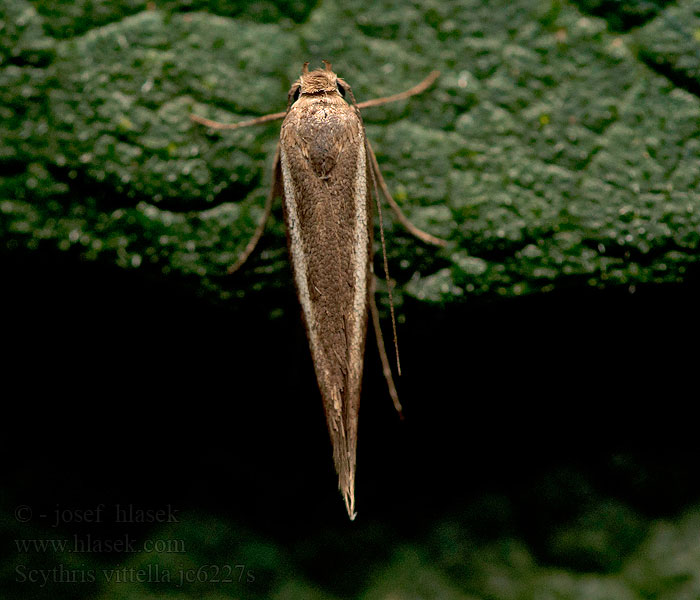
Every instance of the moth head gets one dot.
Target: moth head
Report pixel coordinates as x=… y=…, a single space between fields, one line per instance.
x=317 y=82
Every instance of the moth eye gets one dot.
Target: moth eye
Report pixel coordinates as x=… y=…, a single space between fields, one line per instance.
x=297 y=91
x=341 y=89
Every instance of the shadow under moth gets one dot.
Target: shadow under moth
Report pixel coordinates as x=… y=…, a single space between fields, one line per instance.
x=326 y=173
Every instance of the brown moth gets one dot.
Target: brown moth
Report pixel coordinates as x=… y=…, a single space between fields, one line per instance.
x=326 y=172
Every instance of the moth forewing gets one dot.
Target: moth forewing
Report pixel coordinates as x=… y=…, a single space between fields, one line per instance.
x=328 y=214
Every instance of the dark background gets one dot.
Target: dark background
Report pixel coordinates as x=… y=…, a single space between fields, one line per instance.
x=591 y=382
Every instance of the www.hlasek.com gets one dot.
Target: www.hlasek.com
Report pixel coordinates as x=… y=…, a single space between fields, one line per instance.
x=215 y=574
x=81 y=544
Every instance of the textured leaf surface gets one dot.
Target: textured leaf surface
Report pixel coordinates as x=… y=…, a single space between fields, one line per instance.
x=559 y=148
x=548 y=152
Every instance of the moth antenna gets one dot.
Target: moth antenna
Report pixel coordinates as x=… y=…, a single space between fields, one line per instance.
x=386 y=265
x=382 y=350
x=328 y=65
x=368 y=149
x=256 y=121
x=416 y=89
x=422 y=86
x=305 y=68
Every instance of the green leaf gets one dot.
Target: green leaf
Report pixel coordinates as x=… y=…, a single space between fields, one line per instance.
x=551 y=152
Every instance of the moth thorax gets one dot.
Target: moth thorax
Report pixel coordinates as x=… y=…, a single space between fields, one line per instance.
x=318 y=81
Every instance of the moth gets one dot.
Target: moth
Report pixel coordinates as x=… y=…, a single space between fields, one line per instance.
x=326 y=173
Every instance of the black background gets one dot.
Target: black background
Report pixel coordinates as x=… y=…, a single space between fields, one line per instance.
x=122 y=387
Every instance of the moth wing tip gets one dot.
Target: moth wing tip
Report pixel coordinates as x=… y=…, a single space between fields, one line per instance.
x=349 y=498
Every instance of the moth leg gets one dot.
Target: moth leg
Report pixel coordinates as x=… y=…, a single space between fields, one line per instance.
x=275 y=190
x=400 y=216
x=386 y=368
